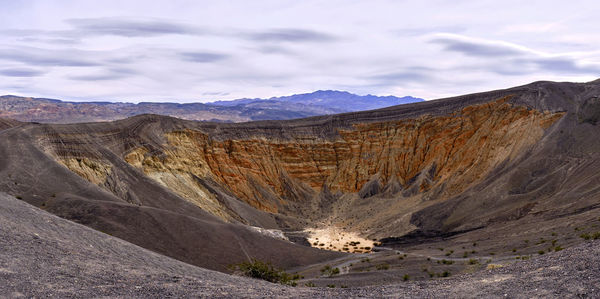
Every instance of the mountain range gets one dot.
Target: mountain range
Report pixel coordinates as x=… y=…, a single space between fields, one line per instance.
x=277 y=108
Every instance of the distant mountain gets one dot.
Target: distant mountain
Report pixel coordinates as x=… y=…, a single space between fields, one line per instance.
x=333 y=100
x=277 y=108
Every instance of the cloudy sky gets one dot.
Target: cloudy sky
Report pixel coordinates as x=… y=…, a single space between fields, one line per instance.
x=196 y=51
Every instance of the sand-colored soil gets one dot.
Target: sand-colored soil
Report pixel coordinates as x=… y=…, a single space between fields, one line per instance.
x=336 y=239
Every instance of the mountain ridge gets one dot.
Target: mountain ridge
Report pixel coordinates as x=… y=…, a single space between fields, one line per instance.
x=242 y=110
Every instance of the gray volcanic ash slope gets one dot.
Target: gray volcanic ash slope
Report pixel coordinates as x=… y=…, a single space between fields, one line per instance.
x=42 y=255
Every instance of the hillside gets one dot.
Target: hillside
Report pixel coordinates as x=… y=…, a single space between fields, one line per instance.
x=42 y=255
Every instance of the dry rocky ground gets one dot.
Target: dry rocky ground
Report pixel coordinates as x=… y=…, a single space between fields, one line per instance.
x=42 y=255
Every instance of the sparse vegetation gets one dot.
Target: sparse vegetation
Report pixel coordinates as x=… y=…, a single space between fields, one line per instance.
x=329 y=271
x=310 y=284
x=266 y=271
x=473 y=262
x=331 y=286
x=446 y=262
x=406 y=277
x=382 y=267
x=540 y=252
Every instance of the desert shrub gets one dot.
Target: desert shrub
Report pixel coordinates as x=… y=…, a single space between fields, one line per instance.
x=310 y=284
x=558 y=248
x=331 y=286
x=585 y=236
x=473 y=262
x=266 y=271
x=541 y=252
x=596 y=236
x=382 y=267
x=445 y=274
x=329 y=271
x=406 y=277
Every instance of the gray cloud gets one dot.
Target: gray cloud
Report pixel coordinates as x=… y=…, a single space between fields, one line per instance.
x=514 y=60
x=415 y=31
x=474 y=48
x=110 y=73
x=95 y=77
x=43 y=57
x=291 y=35
x=203 y=57
x=401 y=76
x=131 y=28
x=53 y=41
x=21 y=72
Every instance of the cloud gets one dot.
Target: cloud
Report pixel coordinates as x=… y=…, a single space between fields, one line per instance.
x=95 y=77
x=46 y=57
x=203 y=57
x=415 y=31
x=111 y=73
x=401 y=77
x=291 y=35
x=53 y=41
x=21 y=72
x=131 y=28
x=474 y=47
x=511 y=59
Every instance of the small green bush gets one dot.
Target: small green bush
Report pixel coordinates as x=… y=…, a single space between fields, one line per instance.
x=265 y=271
x=329 y=271
x=382 y=267
x=331 y=286
x=473 y=262
x=406 y=277
x=447 y=262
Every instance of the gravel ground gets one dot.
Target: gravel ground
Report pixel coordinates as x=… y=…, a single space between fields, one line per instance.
x=42 y=255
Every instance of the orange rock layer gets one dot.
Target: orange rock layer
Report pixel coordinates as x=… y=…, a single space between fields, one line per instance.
x=445 y=154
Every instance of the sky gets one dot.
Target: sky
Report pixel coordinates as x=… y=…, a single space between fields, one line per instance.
x=199 y=51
